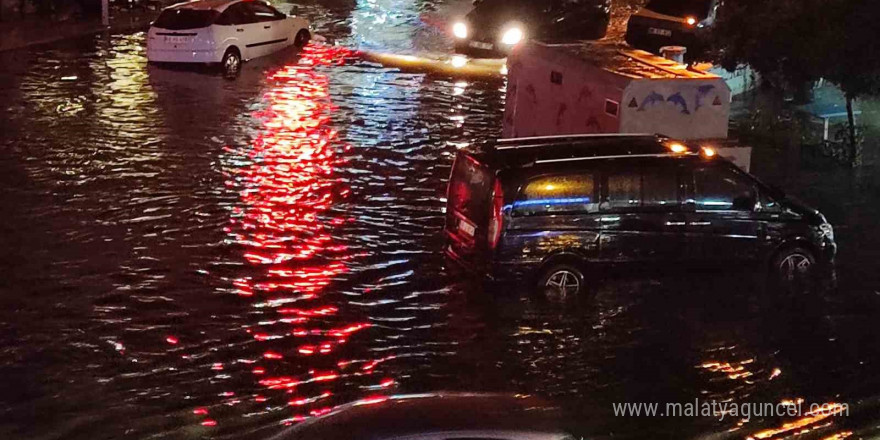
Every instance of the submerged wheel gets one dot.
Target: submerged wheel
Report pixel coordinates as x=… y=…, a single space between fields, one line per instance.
x=794 y=270
x=231 y=63
x=302 y=38
x=561 y=283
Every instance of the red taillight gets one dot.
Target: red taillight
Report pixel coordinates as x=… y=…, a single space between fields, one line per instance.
x=497 y=220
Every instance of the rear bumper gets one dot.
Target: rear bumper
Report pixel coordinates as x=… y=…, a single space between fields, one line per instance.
x=184 y=56
x=491 y=270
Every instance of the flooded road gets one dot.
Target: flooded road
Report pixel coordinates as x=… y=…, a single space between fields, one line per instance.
x=189 y=257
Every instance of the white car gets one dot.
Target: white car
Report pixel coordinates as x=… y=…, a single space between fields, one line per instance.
x=222 y=31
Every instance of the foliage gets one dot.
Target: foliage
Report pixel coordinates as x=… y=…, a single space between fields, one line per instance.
x=783 y=40
x=792 y=43
x=854 y=62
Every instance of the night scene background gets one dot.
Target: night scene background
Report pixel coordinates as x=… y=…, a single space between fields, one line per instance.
x=187 y=256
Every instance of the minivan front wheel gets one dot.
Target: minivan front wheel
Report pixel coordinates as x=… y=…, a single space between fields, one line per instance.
x=794 y=270
x=561 y=283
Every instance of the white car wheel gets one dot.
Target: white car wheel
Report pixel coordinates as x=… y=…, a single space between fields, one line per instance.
x=302 y=38
x=231 y=63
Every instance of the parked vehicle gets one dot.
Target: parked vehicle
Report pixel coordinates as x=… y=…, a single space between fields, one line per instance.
x=433 y=416
x=671 y=23
x=222 y=31
x=494 y=27
x=560 y=210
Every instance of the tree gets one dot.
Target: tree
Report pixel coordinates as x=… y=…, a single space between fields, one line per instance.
x=796 y=42
x=855 y=64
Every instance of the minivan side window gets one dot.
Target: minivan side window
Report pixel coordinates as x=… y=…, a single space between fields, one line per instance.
x=624 y=189
x=722 y=189
x=643 y=188
x=659 y=188
x=559 y=194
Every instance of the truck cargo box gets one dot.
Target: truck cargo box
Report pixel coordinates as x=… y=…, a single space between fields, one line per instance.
x=603 y=87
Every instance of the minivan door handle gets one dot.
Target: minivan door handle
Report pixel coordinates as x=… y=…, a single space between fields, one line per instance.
x=239 y=30
x=267 y=27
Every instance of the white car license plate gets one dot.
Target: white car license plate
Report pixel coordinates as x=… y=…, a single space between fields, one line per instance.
x=466 y=227
x=481 y=45
x=661 y=32
x=175 y=39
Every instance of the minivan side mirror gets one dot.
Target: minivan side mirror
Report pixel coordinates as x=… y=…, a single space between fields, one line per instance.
x=775 y=193
x=746 y=201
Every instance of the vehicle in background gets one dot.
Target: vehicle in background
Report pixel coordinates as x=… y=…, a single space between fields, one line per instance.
x=671 y=23
x=222 y=31
x=494 y=27
x=435 y=416
x=561 y=210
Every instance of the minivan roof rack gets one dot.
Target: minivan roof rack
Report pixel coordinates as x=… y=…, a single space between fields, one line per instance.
x=573 y=136
x=516 y=152
x=540 y=141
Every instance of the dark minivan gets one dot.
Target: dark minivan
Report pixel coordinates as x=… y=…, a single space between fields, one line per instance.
x=494 y=27
x=550 y=209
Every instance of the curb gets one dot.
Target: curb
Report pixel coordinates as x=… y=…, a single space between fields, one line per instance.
x=10 y=40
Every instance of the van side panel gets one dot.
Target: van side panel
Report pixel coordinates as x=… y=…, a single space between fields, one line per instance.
x=530 y=241
x=550 y=213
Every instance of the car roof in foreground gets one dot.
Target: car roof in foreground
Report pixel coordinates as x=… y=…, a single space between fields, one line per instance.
x=520 y=152
x=454 y=413
x=204 y=5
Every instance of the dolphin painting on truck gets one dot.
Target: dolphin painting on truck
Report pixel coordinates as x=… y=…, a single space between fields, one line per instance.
x=603 y=88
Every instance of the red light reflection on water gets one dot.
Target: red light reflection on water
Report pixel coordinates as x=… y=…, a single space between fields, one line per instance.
x=285 y=224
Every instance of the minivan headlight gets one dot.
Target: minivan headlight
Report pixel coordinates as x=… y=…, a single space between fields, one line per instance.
x=826 y=231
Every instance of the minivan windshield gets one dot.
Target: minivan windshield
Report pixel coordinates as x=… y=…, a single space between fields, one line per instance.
x=180 y=19
x=681 y=8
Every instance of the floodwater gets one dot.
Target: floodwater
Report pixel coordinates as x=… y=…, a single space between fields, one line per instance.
x=185 y=256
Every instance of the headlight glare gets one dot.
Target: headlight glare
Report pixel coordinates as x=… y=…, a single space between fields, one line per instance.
x=512 y=36
x=460 y=30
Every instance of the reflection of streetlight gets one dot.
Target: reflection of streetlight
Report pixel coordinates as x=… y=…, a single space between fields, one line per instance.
x=285 y=226
x=458 y=61
x=459 y=87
